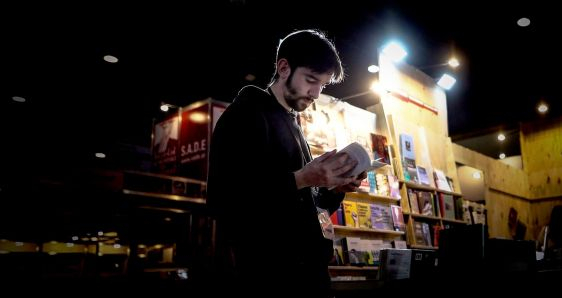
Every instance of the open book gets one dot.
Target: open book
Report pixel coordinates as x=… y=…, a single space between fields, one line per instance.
x=364 y=162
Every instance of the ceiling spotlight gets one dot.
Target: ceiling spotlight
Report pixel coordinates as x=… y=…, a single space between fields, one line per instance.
x=446 y=82
x=476 y=175
x=250 y=77
x=164 y=107
x=501 y=137
x=110 y=59
x=373 y=69
x=100 y=155
x=394 y=51
x=18 y=99
x=542 y=108
x=523 y=22
x=453 y=62
x=502 y=155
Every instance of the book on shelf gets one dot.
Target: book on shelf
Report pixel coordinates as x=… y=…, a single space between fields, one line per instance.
x=426 y=234
x=381 y=217
x=383 y=188
x=409 y=170
x=450 y=182
x=408 y=158
x=425 y=203
x=364 y=215
x=353 y=253
x=458 y=208
x=351 y=218
x=418 y=235
x=394 y=186
x=441 y=180
x=380 y=148
x=423 y=177
x=447 y=205
x=372 y=182
x=398 y=218
x=413 y=199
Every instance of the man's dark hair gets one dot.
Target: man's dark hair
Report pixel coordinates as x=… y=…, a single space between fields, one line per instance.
x=311 y=49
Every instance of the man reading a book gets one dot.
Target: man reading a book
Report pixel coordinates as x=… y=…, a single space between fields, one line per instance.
x=265 y=189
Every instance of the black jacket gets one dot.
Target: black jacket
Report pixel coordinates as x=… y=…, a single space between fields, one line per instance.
x=270 y=225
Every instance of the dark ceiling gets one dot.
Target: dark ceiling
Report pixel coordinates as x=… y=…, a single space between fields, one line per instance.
x=78 y=104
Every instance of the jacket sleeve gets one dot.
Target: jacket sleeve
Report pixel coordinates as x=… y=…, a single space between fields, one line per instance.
x=243 y=178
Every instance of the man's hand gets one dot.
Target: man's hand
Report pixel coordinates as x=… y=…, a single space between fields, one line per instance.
x=353 y=185
x=326 y=171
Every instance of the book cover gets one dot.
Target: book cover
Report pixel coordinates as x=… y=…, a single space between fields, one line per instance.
x=441 y=180
x=372 y=182
x=425 y=203
x=423 y=177
x=383 y=188
x=380 y=148
x=364 y=215
x=407 y=146
x=381 y=217
x=413 y=199
x=351 y=218
x=426 y=234
x=447 y=206
x=364 y=162
x=394 y=186
x=398 y=218
x=410 y=170
x=419 y=238
x=352 y=251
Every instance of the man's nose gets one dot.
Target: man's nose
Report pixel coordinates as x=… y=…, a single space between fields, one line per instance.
x=314 y=92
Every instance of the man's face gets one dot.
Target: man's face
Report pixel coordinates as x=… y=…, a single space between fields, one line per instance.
x=303 y=86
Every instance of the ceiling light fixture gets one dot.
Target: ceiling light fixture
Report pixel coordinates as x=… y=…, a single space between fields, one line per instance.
x=110 y=59
x=373 y=68
x=501 y=137
x=18 y=99
x=100 y=155
x=542 y=108
x=502 y=155
x=523 y=22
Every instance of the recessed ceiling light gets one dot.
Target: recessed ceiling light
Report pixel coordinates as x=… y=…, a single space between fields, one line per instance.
x=502 y=155
x=250 y=77
x=523 y=22
x=100 y=155
x=164 y=108
x=501 y=137
x=476 y=175
x=373 y=69
x=542 y=108
x=110 y=59
x=18 y=99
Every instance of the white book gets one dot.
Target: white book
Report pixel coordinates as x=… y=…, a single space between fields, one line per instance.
x=364 y=162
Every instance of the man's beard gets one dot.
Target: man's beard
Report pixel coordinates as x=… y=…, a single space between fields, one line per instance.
x=292 y=97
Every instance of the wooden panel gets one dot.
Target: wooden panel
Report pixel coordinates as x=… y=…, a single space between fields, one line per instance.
x=498 y=175
x=541 y=145
x=546 y=183
x=412 y=83
x=541 y=149
x=498 y=205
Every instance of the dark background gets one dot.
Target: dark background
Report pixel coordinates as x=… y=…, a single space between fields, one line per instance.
x=78 y=104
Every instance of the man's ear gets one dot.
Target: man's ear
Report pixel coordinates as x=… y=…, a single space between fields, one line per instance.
x=283 y=68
